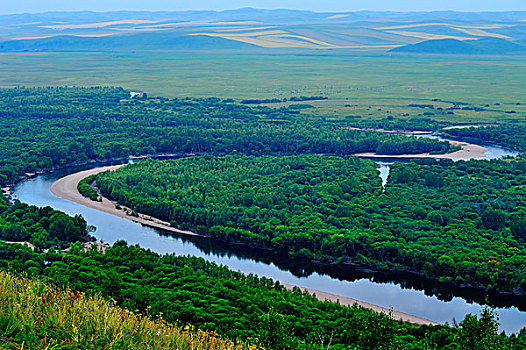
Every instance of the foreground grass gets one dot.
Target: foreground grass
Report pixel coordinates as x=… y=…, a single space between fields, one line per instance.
x=35 y=315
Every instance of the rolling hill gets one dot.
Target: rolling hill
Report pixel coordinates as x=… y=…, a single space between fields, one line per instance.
x=487 y=46
x=126 y=42
x=359 y=31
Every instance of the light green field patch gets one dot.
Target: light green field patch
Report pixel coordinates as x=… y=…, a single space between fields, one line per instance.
x=379 y=80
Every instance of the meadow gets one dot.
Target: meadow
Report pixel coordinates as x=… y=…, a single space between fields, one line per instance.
x=372 y=85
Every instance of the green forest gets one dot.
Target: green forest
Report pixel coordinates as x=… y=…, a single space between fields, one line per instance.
x=42 y=227
x=511 y=135
x=44 y=128
x=185 y=289
x=255 y=176
x=457 y=221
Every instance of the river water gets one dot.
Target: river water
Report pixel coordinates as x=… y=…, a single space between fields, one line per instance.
x=408 y=294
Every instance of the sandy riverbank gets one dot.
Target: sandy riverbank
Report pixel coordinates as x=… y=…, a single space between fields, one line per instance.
x=6 y=191
x=467 y=151
x=27 y=244
x=401 y=132
x=66 y=188
x=397 y=315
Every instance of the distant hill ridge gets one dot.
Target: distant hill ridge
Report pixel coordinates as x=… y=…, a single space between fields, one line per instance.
x=249 y=27
x=483 y=46
x=274 y=15
x=143 y=41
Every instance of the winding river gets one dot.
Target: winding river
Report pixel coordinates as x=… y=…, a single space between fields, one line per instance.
x=408 y=294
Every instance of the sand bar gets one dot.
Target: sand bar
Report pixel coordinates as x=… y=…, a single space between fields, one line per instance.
x=66 y=188
x=397 y=315
x=467 y=151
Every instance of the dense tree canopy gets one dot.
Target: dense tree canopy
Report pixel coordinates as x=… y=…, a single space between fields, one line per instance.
x=43 y=128
x=461 y=221
x=42 y=227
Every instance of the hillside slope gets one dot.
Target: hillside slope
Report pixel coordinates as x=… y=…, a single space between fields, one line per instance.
x=36 y=315
x=486 y=46
x=144 y=41
x=276 y=29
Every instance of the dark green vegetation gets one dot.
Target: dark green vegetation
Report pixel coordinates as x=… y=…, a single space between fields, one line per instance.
x=44 y=128
x=53 y=127
x=409 y=124
x=458 y=221
x=510 y=135
x=49 y=128
x=42 y=227
x=191 y=290
x=453 y=46
x=85 y=189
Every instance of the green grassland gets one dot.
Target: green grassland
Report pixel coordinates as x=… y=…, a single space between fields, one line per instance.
x=356 y=84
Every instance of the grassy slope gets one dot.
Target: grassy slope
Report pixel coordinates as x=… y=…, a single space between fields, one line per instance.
x=289 y=28
x=35 y=315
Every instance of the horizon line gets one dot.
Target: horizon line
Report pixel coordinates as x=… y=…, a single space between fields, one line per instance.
x=266 y=9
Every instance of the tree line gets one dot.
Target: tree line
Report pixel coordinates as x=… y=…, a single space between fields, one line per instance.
x=512 y=135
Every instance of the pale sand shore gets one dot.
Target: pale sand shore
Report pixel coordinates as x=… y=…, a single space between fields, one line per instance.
x=397 y=315
x=468 y=151
x=66 y=188
x=27 y=244
x=402 y=132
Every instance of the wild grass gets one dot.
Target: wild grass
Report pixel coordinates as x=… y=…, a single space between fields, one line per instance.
x=38 y=315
